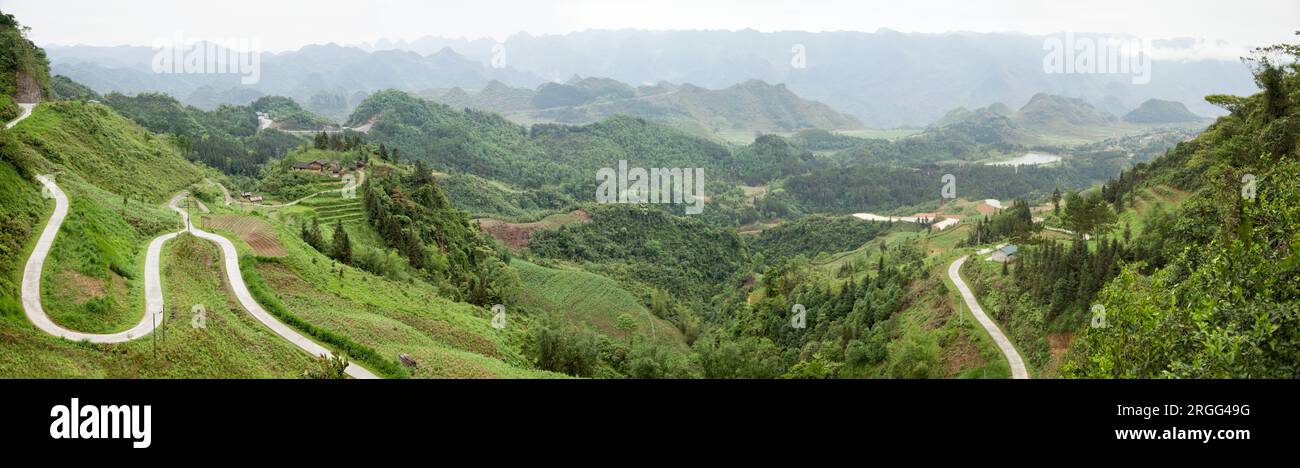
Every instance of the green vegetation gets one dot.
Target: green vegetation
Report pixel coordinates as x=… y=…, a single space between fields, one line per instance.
x=813 y=235
x=226 y=138
x=63 y=88
x=415 y=219
x=24 y=69
x=1218 y=296
x=288 y=115
x=648 y=245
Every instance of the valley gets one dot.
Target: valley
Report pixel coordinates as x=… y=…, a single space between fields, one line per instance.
x=452 y=225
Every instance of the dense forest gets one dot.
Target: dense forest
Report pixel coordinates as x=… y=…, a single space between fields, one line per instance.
x=813 y=235
x=1224 y=300
x=414 y=218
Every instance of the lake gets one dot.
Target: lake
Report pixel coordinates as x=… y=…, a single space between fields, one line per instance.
x=1028 y=159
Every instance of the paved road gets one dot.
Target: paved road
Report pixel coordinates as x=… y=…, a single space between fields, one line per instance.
x=31 y=285
x=26 y=111
x=224 y=193
x=1013 y=357
x=231 y=259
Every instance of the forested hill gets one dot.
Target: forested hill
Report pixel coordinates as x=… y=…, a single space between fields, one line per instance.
x=1214 y=288
x=1161 y=111
x=24 y=70
x=226 y=138
x=750 y=106
x=487 y=145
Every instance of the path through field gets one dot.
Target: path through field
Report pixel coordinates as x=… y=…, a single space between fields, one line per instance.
x=31 y=285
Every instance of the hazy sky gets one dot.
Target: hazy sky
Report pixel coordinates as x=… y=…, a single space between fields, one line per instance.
x=289 y=24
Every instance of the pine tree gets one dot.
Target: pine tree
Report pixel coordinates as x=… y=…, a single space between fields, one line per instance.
x=342 y=249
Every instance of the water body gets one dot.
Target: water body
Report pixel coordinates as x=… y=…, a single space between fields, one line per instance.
x=1028 y=159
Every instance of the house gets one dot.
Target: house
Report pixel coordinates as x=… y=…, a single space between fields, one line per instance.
x=361 y=164
x=1005 y=253
x=255 y=198
x=317 y=165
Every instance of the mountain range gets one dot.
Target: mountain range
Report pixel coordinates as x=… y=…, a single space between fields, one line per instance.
x=877 y=77
x=749 y=106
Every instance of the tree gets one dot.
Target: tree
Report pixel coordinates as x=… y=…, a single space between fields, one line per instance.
x=342 y=248
x=1056 y=201
x=312 y=236
x=627 y=325
x=1088 y=214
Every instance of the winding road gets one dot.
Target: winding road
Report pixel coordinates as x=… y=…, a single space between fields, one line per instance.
x=1013 y=357
x=26 y=111
x=31 y=285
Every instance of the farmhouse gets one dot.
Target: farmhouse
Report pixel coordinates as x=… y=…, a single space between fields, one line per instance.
x=1005 y=253
x=317 y=165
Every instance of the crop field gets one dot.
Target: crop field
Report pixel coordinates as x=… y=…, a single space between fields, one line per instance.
x=330 y=208
x=252 y=230
x=591 y=300
x=516 y=235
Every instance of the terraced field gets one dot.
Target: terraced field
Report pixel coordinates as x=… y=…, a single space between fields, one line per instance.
x=330 y=208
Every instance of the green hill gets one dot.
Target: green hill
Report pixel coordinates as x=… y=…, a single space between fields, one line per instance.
x=745 y=107
x=1161 y=111
x=1213 y=287
x=591 y=300
x=1050 y=112
x=226 y=138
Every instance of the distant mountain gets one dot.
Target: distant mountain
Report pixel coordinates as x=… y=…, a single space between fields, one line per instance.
x=747 y=107
x=1045 y=111
x=1051 y=119
x=1161 y=111
x=330 y=80
x=885 y=79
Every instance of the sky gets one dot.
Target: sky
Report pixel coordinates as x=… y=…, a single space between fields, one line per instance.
x=1221 y=27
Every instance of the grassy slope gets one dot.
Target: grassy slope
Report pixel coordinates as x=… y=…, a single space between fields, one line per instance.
x=448 y=339
x=92 y=281
x=99 y=255
x=595 y=301
x=233 y=344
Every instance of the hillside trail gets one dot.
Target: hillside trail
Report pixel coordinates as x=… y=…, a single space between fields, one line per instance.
x=1017 y=364
x=153 y=315
x=26 y=112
